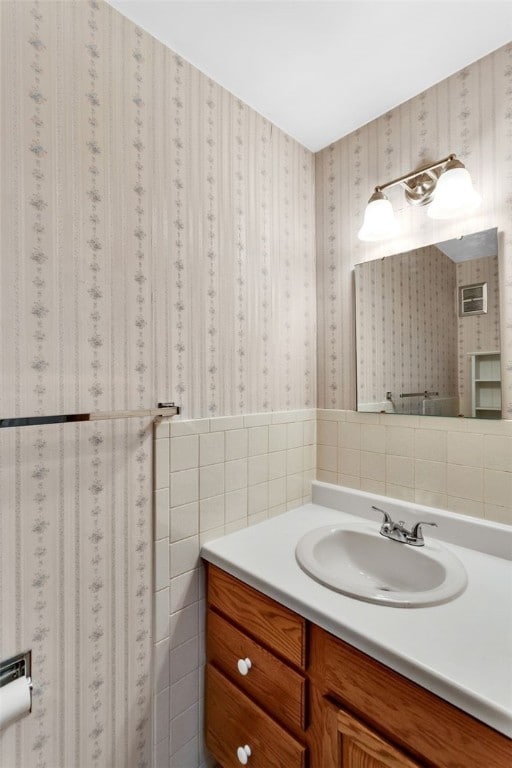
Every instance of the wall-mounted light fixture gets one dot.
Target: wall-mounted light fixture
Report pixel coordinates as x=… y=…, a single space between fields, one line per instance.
x=445 y=186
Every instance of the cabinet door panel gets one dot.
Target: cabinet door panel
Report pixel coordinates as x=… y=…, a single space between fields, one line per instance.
x=359 y=747
x=410 y=716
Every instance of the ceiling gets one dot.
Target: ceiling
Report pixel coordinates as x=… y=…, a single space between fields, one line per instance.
x=317 y=69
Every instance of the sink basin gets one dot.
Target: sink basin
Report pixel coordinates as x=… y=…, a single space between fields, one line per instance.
x=357 y=561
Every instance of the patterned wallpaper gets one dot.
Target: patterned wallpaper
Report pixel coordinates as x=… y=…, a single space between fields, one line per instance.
x=157 y=229
x=157 y=244
x=75 y=588
x=470 y=114
x=478 y=333
x=406 y=328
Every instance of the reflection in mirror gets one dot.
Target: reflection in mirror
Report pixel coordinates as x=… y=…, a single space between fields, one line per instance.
x=428 y=334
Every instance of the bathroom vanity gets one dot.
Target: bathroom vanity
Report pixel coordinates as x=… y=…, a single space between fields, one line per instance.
x=299 y=675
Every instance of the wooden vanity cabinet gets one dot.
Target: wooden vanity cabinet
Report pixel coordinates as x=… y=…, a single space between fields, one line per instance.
x=256 y=692
x=419 y=724
x=310 y=700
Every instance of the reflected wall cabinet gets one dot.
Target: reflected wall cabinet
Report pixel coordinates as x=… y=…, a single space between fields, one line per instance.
x=485 y=385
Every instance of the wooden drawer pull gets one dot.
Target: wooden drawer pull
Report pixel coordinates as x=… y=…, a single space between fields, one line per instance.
x=244 y=666
x=243 y=754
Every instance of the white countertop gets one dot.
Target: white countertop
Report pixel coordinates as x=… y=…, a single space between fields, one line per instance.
x=461 y=650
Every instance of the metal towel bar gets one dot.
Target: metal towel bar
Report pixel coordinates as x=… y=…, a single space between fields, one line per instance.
x=163 y=410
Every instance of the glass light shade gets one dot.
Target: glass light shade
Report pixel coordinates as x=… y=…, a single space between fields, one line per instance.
x=454 y=195
x=379 y=220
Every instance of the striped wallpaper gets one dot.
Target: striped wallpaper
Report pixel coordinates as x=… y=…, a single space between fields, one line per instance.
x=157 y=245
x=470 y=114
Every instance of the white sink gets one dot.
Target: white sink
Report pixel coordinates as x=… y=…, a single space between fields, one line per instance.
x=357 y=561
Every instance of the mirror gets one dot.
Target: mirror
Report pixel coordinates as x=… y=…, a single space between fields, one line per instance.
x=427 y=328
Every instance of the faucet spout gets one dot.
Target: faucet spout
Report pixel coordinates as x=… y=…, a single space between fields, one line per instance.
x=399 y=532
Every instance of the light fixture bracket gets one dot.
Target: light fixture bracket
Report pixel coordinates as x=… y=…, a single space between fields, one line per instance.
x=419 y=189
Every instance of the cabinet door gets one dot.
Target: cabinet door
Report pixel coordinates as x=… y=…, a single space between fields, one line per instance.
x=360 y=747
x=337 y=739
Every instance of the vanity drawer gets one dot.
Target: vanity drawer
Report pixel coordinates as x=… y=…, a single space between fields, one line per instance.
x=270 y=682
x=234 y=721
x=280 y=629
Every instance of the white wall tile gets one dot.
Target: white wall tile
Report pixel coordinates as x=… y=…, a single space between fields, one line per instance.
x=498 y=452
x=211 y=480
x=277 y=465
x=161 y=614
x=225 y=423
x=185 y=693
x=161 y=713
x=327 y=433
x=236 y=505
x=327 y=457
x=430 y=444
x=295 y=460
x=184 y=521
x=295 y=434
x=184 y=742
x=465 y=449
x=373 y=466
x=400 y=470
x=351 y=481
x=161 y=669
x=161 y=755
x=184 y=590
x=184 y=555
x=184 y=487
x=211 y=448
x=184 y=659
x=236 y=444
x=161 y=564
x=184 y=625
x=498 y=488
x=373 y=438
x=465 y=482
x=464 y=506
x=277 y=437
x=184 y=453
x=277 y=492
x=400 y=441
x=258 y=440
x=372 y=486
x=162 y=513
x=257 y=498
x=211 y=513
x=310 y=432
x=349 y=435
x=181 y=428
x=430 y=475
x=349 y=461
x=294 y=485
x=257 y=469
x=235 y=474
x=161 y=464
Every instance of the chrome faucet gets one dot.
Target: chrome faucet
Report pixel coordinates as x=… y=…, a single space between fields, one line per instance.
x=398 y=531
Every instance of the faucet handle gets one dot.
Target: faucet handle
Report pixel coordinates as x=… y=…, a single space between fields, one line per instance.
x=387 y=516
x=416 y=534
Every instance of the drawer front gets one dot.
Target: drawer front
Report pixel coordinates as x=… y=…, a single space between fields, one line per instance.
x=278 y=688
x=233 y=721
x=282 y=630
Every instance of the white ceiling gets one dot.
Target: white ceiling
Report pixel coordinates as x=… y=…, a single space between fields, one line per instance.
x=320 y=69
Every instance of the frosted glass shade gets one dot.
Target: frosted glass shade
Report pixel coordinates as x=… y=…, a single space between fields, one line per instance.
x=454 y=195
x=379 y=221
